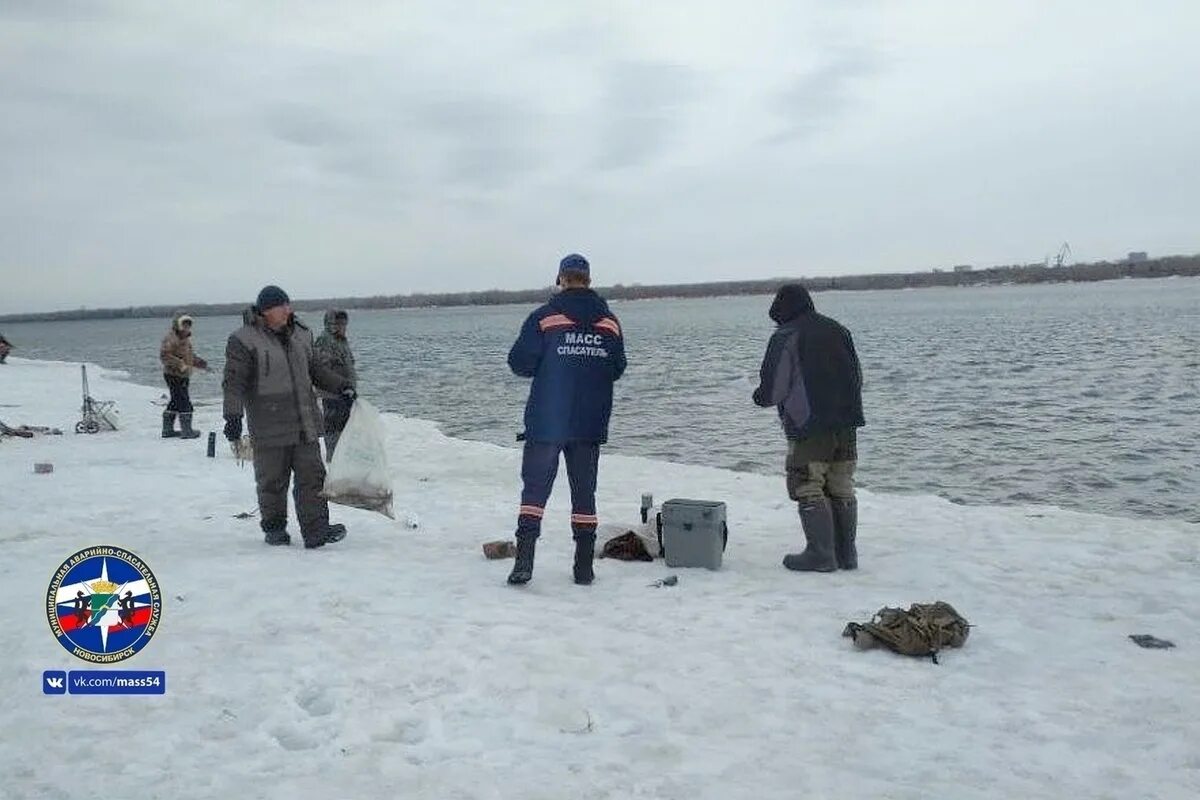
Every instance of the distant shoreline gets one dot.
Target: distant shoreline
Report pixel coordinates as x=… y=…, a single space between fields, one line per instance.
x=959 y=276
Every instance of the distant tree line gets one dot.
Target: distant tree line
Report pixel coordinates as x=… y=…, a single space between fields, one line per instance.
x=959 y=276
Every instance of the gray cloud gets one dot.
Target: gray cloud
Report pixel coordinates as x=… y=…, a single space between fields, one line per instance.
x=69 y=10
x=815 y=100
x=641 y=111
x=304 y=125
x=488 y=141
x=491 y=167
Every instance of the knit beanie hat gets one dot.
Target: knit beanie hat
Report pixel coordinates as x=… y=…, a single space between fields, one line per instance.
x=271 y=296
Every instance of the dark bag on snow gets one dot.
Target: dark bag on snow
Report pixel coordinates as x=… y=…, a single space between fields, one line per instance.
x=626 y=547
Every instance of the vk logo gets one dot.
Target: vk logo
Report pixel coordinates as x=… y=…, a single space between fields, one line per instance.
x=54 y=682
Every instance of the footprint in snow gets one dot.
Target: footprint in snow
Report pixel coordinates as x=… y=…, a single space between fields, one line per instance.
x=405 y=731
x=293 y=741
x=315 y=701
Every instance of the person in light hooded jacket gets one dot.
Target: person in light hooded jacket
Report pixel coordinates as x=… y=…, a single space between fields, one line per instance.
x=574 y=350
x=178 y=360
x=811 y=374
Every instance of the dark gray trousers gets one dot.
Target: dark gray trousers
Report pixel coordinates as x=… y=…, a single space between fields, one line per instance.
x=273 y=469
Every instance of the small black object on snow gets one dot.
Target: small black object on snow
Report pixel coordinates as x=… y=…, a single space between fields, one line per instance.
x=1150 y=642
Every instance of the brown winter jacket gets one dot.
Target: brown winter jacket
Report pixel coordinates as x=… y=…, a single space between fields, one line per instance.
x=176 y=353
x=269 y=376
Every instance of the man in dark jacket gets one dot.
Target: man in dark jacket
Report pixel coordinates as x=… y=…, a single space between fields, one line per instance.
x=811 y=374
x=270 y=369
x=333 y=351
x=574 y=350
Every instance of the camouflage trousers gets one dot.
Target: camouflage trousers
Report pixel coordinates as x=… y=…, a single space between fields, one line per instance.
x=336 y=412
x=822 y=466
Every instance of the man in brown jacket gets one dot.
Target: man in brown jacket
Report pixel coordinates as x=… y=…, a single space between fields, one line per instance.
x=270 y=370
x=178 y=361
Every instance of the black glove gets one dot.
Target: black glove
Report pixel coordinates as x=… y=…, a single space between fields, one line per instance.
x=349 y=395
x=233 y=428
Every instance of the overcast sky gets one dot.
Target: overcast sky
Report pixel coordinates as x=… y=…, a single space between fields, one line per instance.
x=164 y=152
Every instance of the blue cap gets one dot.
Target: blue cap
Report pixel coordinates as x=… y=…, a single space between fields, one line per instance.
x=574 y=263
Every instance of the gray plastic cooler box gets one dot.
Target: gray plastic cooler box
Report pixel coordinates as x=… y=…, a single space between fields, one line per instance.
x=693 y=533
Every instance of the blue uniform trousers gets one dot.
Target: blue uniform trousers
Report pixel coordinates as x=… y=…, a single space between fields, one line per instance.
x=539 y=467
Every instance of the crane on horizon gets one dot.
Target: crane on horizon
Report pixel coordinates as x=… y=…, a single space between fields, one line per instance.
x=1064 y=253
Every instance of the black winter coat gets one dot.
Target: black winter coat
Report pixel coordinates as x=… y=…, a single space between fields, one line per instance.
x=811 y=374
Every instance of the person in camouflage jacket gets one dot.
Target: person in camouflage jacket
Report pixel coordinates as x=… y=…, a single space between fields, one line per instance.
x=178 y=360
x=333 y=351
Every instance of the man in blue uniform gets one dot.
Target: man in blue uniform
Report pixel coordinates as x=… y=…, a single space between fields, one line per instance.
x=574 y=350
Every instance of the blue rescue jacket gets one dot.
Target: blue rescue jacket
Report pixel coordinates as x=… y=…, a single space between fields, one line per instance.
x=574 y=349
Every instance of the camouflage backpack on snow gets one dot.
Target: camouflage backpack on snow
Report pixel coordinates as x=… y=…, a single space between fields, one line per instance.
x=922 y=630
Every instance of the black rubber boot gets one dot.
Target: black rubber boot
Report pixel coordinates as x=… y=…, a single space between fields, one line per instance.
x=185 y=426
x=817 y=519
x=168 y=431
x=276 y=534
x=332 y=534
x=845 y=530
x=585 y=552
x=522 y=571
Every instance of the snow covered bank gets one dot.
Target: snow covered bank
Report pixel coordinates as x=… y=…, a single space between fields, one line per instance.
x=399 y=664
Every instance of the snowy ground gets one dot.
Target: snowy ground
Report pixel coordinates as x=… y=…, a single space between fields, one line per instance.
x=399 y=664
